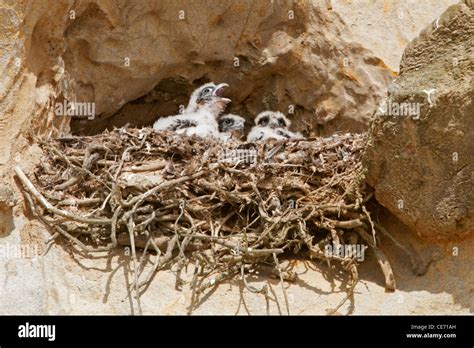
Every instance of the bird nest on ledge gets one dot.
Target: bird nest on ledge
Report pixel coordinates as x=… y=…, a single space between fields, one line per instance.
x=224 y=207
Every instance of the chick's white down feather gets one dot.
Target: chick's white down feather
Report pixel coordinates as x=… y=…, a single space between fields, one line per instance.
x=271 y=125
x=263 y=133
x=231 y=127
x=201 y=123
x=199 y=117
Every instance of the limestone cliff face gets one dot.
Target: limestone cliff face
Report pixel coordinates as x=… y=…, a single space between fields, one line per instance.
x=422 y=167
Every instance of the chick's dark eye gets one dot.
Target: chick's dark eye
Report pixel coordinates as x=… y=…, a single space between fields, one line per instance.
x=264 y=121
x=207 y=90
x=227 y=121
x=281 y=122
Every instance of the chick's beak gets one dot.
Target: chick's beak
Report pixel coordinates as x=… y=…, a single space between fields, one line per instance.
x=220 y=89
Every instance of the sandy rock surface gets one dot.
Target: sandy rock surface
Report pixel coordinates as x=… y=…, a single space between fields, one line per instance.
x=425 y=176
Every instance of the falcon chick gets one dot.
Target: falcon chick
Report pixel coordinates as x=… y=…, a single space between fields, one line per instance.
x=231 y=127
x=200 y=116
x=271 y=125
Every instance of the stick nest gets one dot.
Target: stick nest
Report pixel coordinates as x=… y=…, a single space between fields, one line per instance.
x=223 y=207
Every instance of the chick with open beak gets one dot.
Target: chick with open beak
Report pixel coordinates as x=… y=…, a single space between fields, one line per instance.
x=200 y=116
x=209 y=96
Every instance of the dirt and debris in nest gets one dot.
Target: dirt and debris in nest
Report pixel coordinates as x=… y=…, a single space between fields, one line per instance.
x=226 y=208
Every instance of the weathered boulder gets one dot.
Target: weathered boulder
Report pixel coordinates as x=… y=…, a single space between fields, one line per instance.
x=422 y=166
